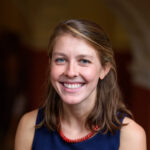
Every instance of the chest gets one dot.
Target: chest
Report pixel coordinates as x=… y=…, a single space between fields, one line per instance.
x=45 y=140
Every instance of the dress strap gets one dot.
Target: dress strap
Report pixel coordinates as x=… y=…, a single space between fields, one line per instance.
x=40 y=116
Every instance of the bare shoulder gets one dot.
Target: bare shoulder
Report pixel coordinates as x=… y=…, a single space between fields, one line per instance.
x=132 y=136
x=25 y=131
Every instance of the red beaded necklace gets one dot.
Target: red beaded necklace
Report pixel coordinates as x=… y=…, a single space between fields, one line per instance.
x=77 y=140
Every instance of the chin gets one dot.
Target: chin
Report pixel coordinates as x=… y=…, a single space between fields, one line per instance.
x=71 y=101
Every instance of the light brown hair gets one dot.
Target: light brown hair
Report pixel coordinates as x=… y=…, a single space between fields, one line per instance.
x=109 y=107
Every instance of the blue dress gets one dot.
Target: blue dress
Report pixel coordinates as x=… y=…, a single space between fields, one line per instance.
x=46 y=140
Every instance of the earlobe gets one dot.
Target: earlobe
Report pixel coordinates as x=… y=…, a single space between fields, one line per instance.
x=105 y=70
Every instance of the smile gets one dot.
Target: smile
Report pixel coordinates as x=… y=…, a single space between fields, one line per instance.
x=72 y=85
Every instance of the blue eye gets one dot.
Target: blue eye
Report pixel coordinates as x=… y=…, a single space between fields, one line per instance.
x=84 y=61
x=59 y=60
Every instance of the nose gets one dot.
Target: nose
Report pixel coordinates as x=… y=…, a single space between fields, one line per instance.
x=71 y=70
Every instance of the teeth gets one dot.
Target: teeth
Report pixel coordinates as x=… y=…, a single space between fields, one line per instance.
x=72 y=86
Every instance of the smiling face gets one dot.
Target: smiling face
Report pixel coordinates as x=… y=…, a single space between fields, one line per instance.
x=75 y=70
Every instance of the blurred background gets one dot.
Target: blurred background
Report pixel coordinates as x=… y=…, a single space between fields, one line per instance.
x=25 y=28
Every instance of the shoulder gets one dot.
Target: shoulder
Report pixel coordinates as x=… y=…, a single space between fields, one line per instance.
x=132 y=136
x=25 y=131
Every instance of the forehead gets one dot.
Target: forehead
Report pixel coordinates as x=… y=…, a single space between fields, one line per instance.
x=68 y=43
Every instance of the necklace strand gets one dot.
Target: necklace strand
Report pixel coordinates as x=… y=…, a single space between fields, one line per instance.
x=79 y=139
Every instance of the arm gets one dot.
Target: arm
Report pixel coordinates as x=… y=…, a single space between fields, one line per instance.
x=25 y=131
x=132 y=136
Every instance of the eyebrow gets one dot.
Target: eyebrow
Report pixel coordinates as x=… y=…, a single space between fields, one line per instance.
x=79 y=56
x=56 y=53
x=85 y=56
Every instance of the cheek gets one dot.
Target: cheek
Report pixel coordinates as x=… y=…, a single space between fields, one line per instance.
x=91 y=74
x=54 y=72
x=54 y=76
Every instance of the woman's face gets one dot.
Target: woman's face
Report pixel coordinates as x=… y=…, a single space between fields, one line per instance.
x=75 y=70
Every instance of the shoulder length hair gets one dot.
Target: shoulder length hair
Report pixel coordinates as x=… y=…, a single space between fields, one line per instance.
x=109 y=107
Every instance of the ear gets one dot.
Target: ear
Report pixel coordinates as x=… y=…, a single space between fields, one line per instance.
x=105 y=70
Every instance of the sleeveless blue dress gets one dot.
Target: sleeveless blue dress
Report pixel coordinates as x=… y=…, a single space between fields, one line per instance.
x=46 y=140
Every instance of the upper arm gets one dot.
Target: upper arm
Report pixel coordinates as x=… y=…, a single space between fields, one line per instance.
x=132 y=136
x=25 y=131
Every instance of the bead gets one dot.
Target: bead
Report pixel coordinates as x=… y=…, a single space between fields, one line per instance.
x=77 y=140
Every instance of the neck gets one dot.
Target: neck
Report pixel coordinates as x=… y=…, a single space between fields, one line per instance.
x=74 y=116
x=73 y=119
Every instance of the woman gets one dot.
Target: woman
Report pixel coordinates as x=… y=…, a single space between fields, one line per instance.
x=83 y=109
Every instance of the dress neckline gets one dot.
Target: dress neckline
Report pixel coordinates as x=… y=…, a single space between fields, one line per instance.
x=88 y=136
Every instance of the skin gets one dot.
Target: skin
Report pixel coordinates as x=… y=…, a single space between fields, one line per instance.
x=76 y=62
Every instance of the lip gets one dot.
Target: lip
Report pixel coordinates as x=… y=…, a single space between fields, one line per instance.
x=72 y=87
